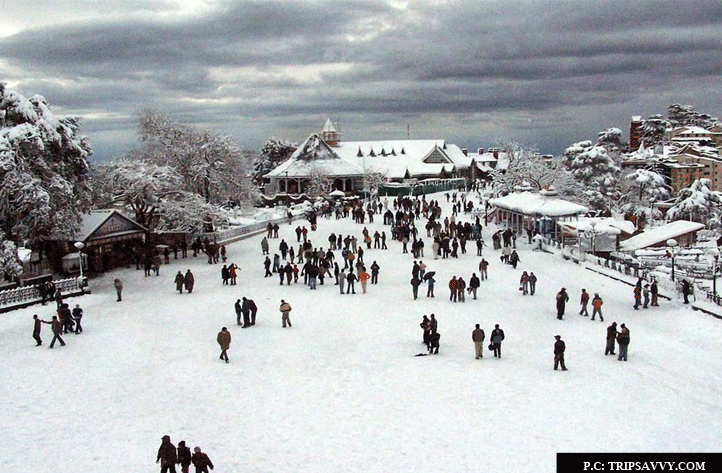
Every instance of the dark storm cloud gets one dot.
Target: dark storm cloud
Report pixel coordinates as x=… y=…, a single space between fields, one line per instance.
x=548 y=62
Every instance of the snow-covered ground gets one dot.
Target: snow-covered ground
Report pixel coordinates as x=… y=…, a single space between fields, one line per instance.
x=342 y=391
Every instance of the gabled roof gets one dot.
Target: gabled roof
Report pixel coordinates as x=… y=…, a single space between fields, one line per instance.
x=328 y=127
x=104 y=223
x=534 y=204
x=314 y=152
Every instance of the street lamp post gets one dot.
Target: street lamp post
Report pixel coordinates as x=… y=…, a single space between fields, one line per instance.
x=714 y=252
x=80 y=245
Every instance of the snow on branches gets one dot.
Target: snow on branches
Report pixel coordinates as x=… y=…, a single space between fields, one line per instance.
x=696 y=203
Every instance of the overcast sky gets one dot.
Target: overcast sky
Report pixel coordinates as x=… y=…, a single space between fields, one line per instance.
x=542 y=73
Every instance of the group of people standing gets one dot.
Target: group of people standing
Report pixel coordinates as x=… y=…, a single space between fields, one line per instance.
x=187 y=281
x=66 y=321
x=169 y=456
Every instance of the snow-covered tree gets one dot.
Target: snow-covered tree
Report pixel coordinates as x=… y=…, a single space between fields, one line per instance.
x=273 y=152
x=10 y=264
x=319 y=182
x=43 y=170
x=695 y=203
x=210 y=165
x=685 y=115
x=527 y=166
x=592 y=166
x=654 y=130
x=640 y=189
x=611 y=140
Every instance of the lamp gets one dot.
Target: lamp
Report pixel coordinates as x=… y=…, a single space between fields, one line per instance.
x=714 y=252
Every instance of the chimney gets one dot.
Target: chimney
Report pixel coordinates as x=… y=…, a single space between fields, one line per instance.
x=481 y=151
x=465 y=151
x=496 y=153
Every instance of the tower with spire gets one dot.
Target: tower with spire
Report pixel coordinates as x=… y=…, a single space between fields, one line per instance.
x=329 y=134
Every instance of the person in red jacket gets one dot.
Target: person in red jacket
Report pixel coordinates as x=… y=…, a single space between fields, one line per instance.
x=584 y=300
x=453 y=286
x=201 y=461
x=597 y=306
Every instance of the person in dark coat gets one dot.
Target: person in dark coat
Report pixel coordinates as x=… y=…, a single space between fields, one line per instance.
x=184 y=456
x=66 y=318
x=253 y=308
x=77 y=316
x=654 y=290
x=474 y=284
x=180 y=281
x=532 y=283
x=167 y=456
x=562 y=299
x=224 y=274
x=246 y=311
x=201 y=461
x=611 y=338
x=434 y=338
x=514 y=259
x=57 y=331
x=267 y=265
x=224 y=340
x=497 y=336
x=583 y=301
x=37 y=325
x=426 y=326
x=118 y=284
x=375 y=268
x=686 y=290
x=623 y=341
x=350 y=279
x=239 y=310
x=189 y=281
x=559 y=347
x=415 y=283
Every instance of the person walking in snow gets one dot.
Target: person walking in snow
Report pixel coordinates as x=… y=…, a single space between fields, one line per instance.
x=285 y=311
x=497 y=336
x=254 y=309
x=184 y=456
x=686 y=290
x=483 y=265
x=350 y=280
x=232 y=273
x=559 y=348
x=267 y=265
x=583 y=301
x=460 y=288
x=264 y=246
x=532 y=283
x=597 y=306
x=341 y=280
x=246 y=311
x=118 y=284
x=167 y=456
x=562 y=299
x=201 y=461
x=478 y=336
x=474 y=284
x=189 y=281
x=611 y=338
x=430 y=281
x=224 y=275
x=179 y=281
x=363 y=277
x=623 y=341
x=453 y=287
x=375 y=268
x=434 y=338
x=224 y=340
x=37 y=325
x=524 y=283
x=415 y=283
x=426 y=327
x=514 y=259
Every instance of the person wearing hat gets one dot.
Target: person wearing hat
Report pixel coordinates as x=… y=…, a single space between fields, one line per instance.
x=559 y=347
x=184 y=456
x=166 y=456
x=201 y=461
x=623 y=340
x=562 y=299
x=611 y=338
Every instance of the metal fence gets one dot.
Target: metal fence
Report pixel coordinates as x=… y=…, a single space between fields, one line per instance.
x=31 y=294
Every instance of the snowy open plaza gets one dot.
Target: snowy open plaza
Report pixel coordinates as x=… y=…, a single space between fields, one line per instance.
x=342 y=390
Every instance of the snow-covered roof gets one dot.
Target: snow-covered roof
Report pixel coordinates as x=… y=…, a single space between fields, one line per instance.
x=91 y=223
x=328 y=127
x=534 y=204
x=601 y=225
x=660 y=234
x=393 y=158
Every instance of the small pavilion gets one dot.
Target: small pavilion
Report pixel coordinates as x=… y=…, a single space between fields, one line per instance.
x=538 y=212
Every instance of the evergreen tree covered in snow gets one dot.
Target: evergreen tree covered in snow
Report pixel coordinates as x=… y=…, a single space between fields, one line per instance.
x=273 y=152
x=696 y=203
x=43 y=170
x=654 y=130
x=10 y=264
x=592 y=167
x=684 y=115
x=611 y=140
x=640 y=189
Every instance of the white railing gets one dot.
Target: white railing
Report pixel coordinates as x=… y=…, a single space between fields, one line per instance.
x=31 y=294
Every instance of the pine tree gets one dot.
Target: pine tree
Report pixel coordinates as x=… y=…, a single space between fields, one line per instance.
x=695 y=203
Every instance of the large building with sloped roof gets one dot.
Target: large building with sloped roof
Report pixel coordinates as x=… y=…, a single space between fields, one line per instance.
x=347 y=163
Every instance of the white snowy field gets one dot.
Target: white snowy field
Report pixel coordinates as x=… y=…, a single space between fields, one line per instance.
x=342 y=391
